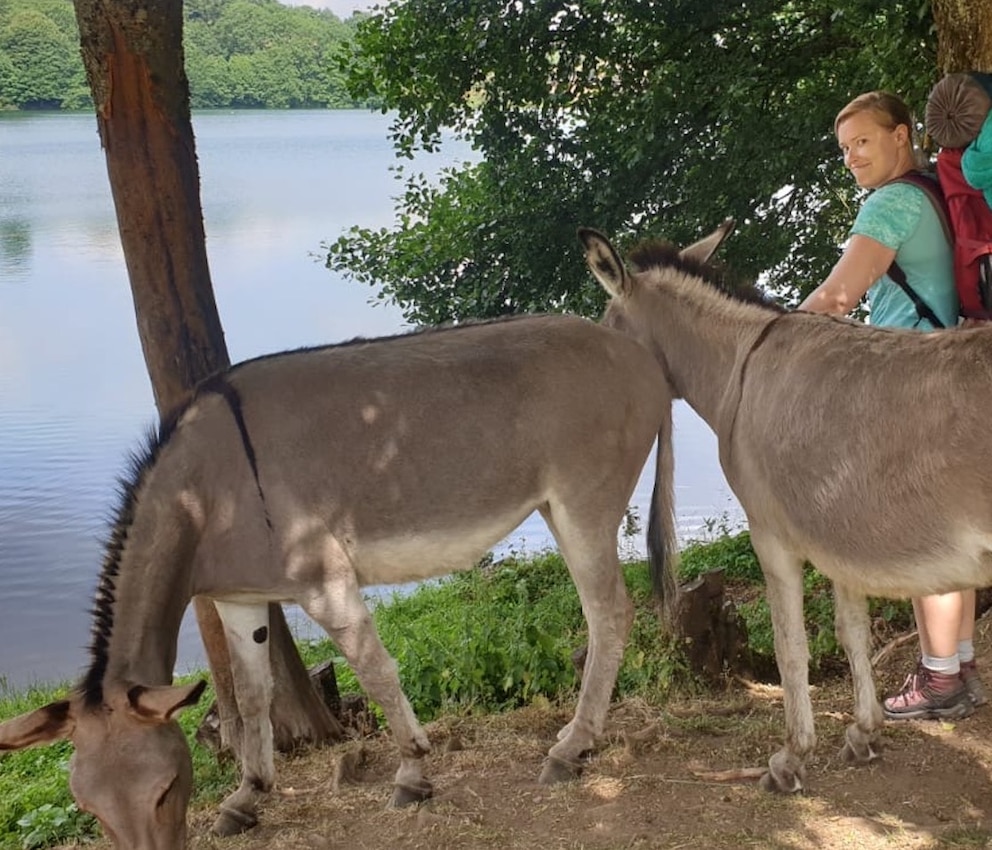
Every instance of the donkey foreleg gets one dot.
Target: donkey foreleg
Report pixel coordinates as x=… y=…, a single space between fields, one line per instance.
x=246 y=628
x=609 y=614
x=345 y=617
x=853 y=631
x=784 y=589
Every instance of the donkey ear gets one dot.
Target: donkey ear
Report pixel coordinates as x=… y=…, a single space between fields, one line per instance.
x=604 y=261
x=159 y=704
x=53 y=722
x=704 y=248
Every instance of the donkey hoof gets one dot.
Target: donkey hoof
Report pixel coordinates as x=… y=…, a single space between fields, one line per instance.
x=233 y=822
x=858 y=754
x=557 y=770
x=787 y=783
x=786 y=774
x=859 y=747
x=409 y=795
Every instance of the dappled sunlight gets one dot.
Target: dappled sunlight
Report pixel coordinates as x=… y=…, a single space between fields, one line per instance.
x=606 y=787
x=823 y=827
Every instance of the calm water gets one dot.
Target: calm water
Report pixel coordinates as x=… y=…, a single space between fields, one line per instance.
x=74 y=394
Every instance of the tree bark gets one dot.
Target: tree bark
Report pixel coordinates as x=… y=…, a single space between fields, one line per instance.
x=133 y=54
x=964 y=35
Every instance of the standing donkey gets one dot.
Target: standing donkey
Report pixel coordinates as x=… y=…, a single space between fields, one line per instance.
x=859 y=449
x=305 y=476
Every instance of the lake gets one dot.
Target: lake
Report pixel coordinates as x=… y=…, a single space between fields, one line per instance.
x=74 y=393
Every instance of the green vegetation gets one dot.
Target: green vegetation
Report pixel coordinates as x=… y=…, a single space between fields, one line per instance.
x=481 y=641
x=496 y=637
x=40 y=65
x=635 y=117
x=261 y=54
x=239 y=53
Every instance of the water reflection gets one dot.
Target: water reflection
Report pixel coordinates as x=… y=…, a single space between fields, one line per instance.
x=15 y=246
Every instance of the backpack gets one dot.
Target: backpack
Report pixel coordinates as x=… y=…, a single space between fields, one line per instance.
x=967 y=222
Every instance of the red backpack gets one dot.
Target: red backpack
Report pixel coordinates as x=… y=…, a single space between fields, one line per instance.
x=967 y=222
x=958 y=109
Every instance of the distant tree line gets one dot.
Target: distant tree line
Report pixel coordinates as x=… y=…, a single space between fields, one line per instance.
x=239 y=54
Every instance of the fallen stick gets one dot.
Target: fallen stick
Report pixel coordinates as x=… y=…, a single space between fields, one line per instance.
x=734 y=774
x=891 y=646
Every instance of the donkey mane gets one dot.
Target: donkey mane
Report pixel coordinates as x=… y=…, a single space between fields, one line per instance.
x=657 y=253
x=139 y=462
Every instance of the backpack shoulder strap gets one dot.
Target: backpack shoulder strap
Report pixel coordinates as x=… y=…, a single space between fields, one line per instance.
x=922 y=308
x=931 y=188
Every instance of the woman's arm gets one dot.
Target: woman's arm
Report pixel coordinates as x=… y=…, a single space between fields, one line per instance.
x=863 y=262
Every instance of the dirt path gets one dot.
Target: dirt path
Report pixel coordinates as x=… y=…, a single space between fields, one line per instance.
x=650 y=785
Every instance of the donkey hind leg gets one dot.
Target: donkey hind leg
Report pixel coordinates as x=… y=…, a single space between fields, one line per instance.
x=783 y=573
x=344 y=616
x=591 y=555
x=853 y=631
x=246 y=628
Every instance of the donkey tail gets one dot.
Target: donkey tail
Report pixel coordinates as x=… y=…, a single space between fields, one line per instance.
x=662 y=542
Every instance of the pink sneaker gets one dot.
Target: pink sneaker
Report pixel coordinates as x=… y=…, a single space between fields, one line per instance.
x=929 y=695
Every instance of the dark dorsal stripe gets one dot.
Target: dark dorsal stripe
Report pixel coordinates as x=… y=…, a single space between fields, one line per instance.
x=219 y=384
x=460 y=326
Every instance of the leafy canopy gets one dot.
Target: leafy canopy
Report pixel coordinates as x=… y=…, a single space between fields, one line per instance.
x=633 y=116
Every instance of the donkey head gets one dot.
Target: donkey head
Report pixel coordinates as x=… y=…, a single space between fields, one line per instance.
x=626 y=310
x=131 y=768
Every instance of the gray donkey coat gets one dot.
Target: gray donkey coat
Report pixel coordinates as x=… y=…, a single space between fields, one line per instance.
x=861 y=450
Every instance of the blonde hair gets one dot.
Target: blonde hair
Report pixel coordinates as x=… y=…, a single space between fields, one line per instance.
x=889 y=110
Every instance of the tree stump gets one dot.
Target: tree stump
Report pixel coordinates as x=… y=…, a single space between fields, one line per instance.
x=983 y=601
x=714 y=632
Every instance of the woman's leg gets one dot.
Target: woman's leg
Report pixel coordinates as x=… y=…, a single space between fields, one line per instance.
x=940 y=619
x=966 y=651
x=936 y=689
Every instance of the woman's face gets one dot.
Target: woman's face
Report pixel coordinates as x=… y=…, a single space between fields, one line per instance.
x=874 y=153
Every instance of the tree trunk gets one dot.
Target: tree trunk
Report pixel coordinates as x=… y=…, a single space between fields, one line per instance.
x=964 y=35
x=132 y=51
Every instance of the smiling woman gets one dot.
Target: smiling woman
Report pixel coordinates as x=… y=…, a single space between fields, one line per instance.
x=899 y=254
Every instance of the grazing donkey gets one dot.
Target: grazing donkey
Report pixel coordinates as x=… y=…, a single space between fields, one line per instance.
x=852 y=447
x=307 y=475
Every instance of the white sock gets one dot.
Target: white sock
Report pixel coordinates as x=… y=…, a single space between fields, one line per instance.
x=948 y=666
x=966 y=651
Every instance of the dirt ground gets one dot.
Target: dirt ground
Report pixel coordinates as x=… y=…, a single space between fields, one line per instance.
x=654 y=782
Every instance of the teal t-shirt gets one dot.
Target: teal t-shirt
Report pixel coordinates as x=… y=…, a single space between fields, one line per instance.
x=901 y=217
